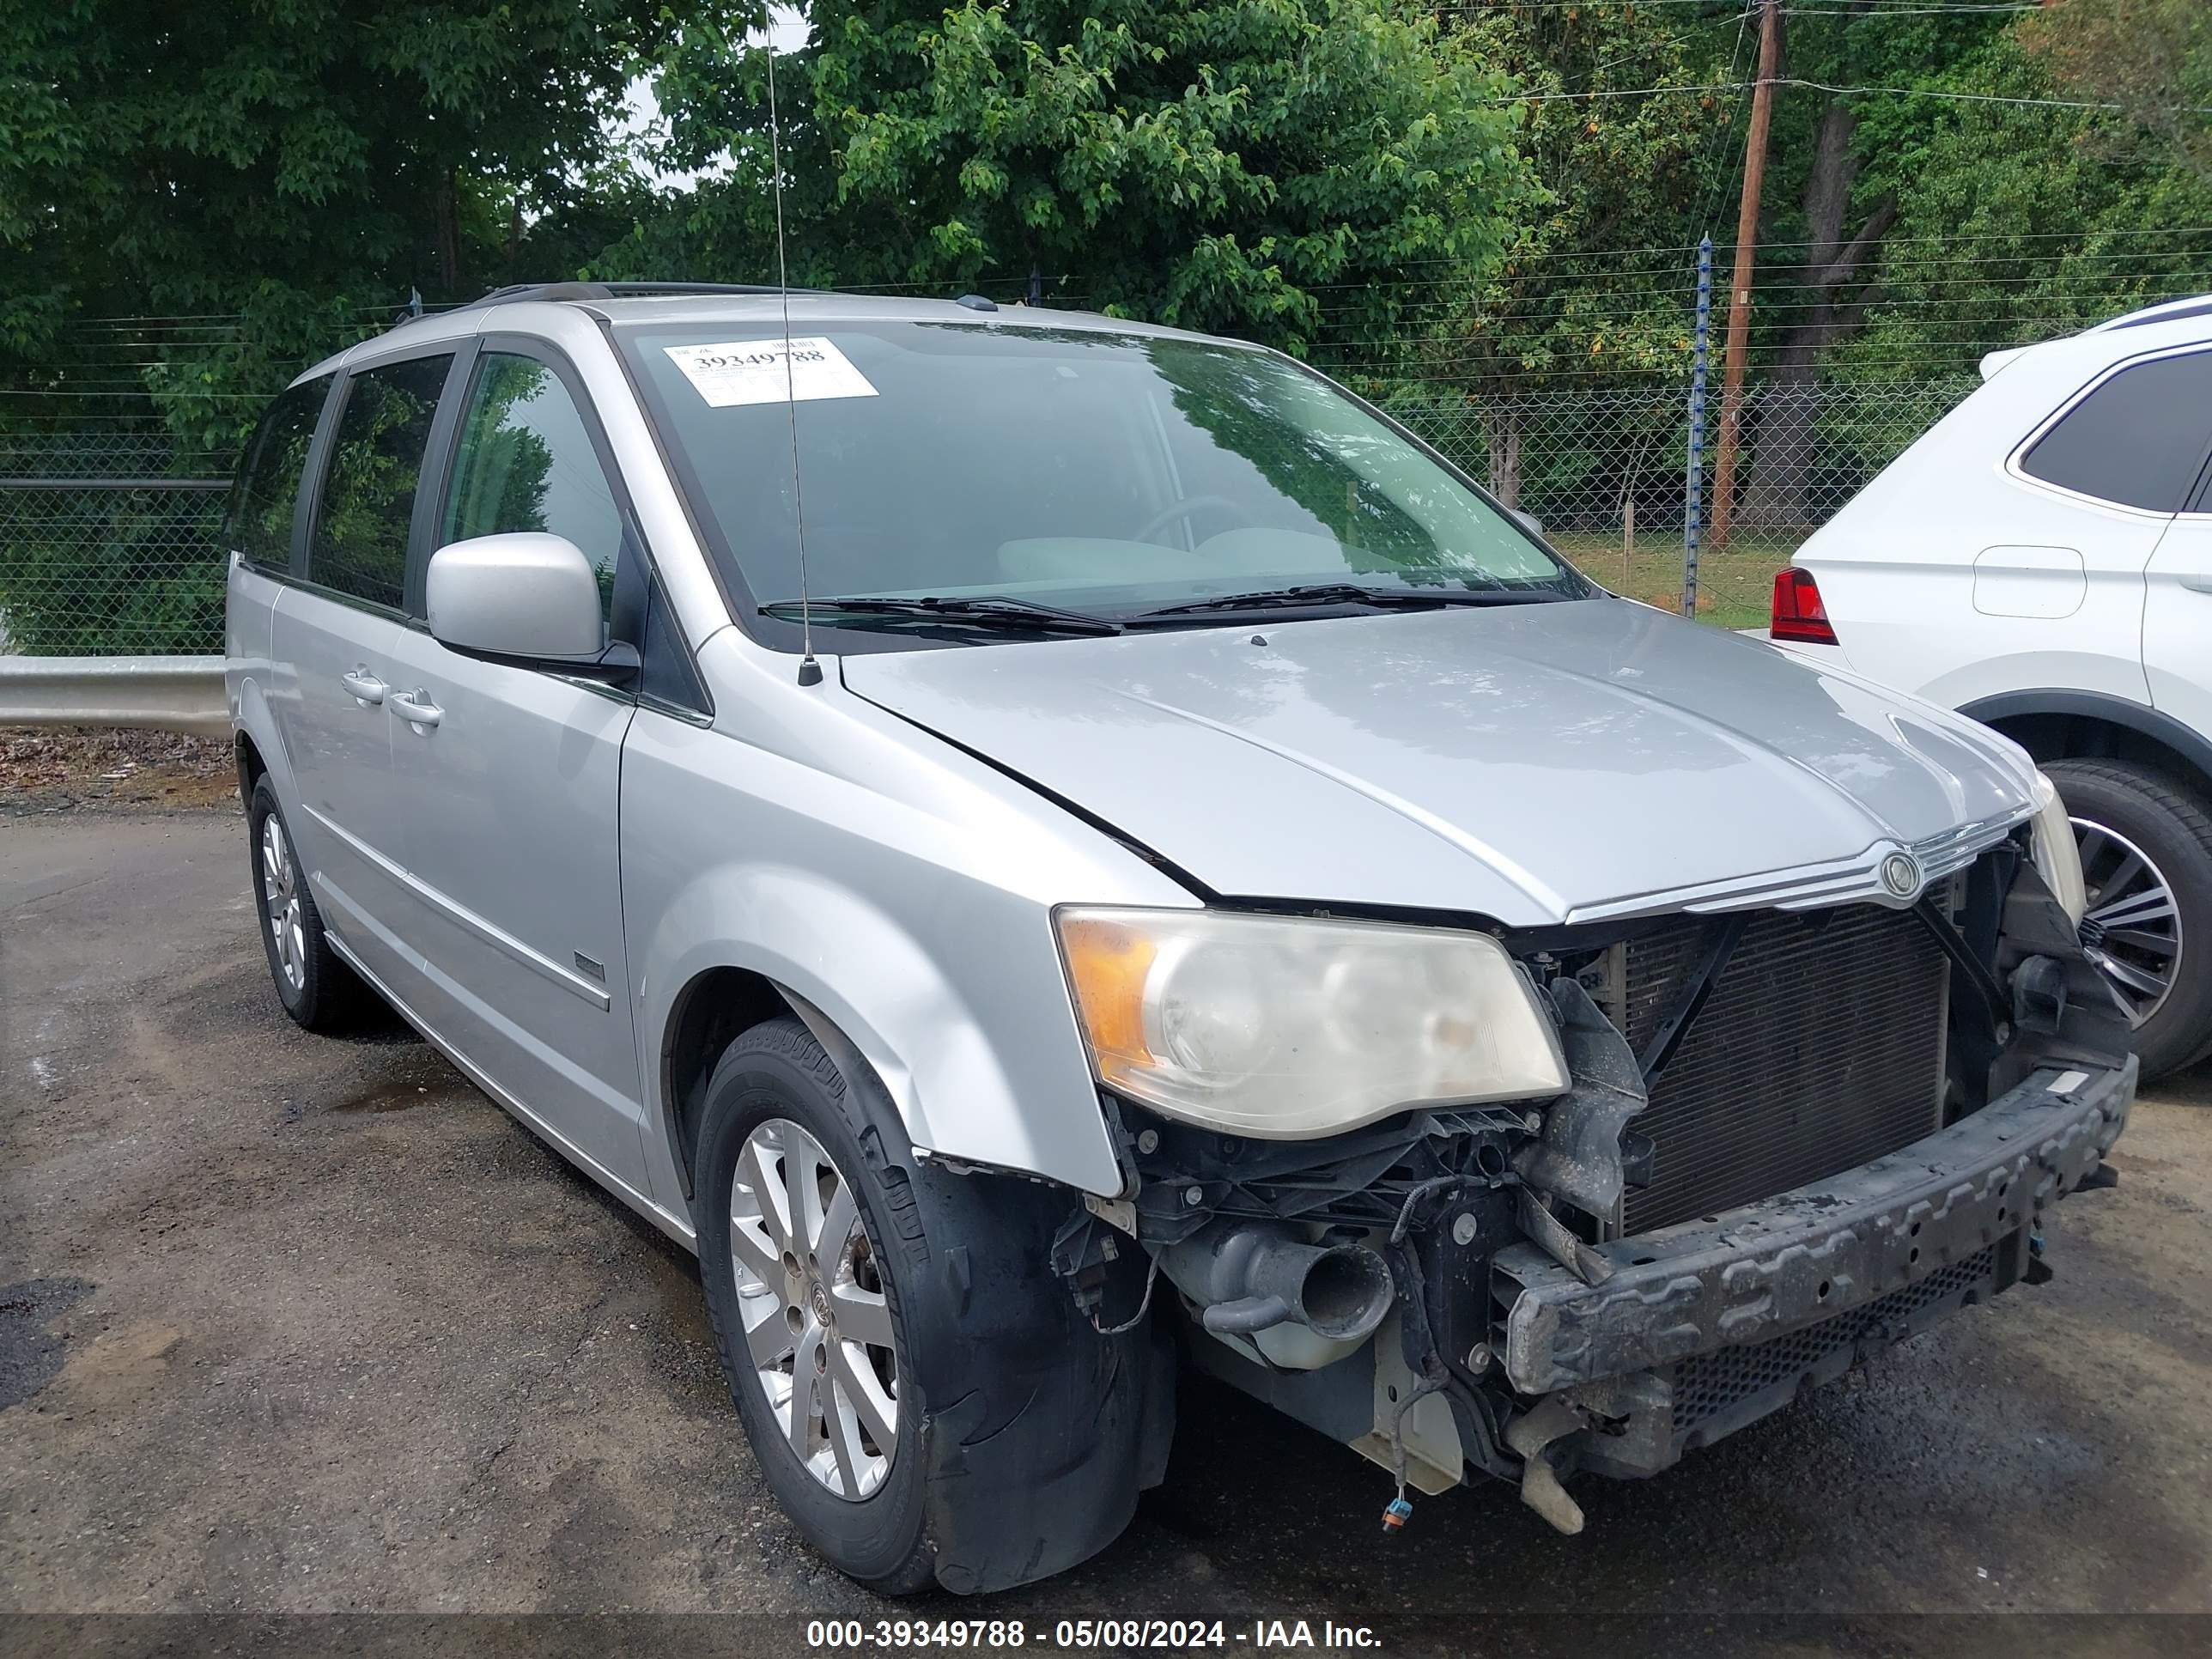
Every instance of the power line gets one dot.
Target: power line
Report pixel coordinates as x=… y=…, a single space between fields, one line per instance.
x=1904 y=8
x=1610 y=91
x=1817 y=86
x=233 y=321
x=1964 y=97
x=1715 y=188
x=1499 y=6
x=1605 y=283
x=1921 y=287
x=1856 y=12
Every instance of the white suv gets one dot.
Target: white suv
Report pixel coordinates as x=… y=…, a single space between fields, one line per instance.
x=2042 y=560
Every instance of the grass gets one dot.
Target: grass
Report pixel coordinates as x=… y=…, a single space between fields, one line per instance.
x=1735 y=585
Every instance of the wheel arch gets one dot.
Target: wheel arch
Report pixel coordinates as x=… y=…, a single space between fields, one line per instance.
x=257 y=743
x=982 y=1059
x=2053 y=724
x=250 y=766
x=715 y=1007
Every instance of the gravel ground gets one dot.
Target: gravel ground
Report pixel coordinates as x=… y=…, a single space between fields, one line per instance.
x=60 y=769
x=291 y=1325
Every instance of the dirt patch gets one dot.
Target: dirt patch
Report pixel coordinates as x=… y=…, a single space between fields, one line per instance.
x=59 y=769
x=119 y=1369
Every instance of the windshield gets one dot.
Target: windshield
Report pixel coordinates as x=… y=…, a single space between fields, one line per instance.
x=1110 y=474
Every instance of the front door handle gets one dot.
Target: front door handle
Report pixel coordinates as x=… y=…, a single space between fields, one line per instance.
x=2198 y=581
x=365 y=686
x=412 y=708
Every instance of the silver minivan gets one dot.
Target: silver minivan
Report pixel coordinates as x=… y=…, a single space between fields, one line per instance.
x=1050 y=851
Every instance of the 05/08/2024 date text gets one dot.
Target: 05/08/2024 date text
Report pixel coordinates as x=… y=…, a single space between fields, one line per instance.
x=1083 y=1634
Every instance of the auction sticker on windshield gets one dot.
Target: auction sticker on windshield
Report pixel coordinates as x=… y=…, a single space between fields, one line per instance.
x=754 y=371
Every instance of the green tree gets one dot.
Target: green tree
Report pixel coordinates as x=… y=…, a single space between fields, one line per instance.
x=2017 y=222
x=2153 y=57
x=301 y=164
x=1593 y=292
x=1263 y=166
x=1907 y=232
x=1835 y=191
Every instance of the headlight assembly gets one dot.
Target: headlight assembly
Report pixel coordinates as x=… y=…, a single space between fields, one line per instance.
x=1282 y=1027
x=2057 y=856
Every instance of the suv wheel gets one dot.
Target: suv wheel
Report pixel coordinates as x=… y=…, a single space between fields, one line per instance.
x=317 y=988
x=2147 y=862
x=922 y=1396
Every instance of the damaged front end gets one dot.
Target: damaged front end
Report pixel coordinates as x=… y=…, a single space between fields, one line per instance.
x=1790 y=1137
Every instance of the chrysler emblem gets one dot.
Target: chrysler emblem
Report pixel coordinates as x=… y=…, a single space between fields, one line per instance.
x=1901 y=876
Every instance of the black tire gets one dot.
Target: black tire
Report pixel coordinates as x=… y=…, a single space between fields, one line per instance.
x=324 y=995
x=2170 y=826
x=1022 y=1434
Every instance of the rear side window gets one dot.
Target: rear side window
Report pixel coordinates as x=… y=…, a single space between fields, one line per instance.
x=2139 y=439
x=527 y=462
x=268 y=487
x=360 y=544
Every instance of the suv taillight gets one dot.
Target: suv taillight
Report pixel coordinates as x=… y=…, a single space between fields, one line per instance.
x=1798 y=613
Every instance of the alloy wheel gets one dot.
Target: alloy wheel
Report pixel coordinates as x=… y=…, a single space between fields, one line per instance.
x=280 y=903
x=817 y=1328
x=2132 y=929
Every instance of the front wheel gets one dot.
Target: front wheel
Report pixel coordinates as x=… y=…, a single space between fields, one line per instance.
x=2146 y=847
x=922 y=1396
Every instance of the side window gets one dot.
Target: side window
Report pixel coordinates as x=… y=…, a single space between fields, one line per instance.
x=526 y=463
x=665 y=674
x=2138 y=440
x=359 y=542
x=268 y=487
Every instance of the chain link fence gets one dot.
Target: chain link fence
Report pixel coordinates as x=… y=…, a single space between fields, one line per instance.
x=109 y=545
x=1604 y=472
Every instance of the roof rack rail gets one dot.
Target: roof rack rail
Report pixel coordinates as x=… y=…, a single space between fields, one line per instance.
x=2165 y=311
x=517 y=292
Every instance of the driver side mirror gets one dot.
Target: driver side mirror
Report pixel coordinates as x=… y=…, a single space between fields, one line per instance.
x=1528 y=521
x=522 y=594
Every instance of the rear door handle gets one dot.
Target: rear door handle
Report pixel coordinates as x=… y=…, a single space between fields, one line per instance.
x=364 y=686
x=410 y=708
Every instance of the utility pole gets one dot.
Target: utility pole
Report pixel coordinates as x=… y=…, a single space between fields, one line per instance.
x=1739 y=311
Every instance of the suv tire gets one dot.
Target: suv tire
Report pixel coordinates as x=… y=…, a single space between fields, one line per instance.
x=1022 y=1434
x=318 y=989
x=2160 y=819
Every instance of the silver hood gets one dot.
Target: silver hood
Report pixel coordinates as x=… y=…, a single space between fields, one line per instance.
x=1534 y=764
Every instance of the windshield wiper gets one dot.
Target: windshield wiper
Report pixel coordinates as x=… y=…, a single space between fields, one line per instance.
x=1024 y=616
x=1314 y=595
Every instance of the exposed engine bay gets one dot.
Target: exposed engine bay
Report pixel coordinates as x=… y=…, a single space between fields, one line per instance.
x=1789 y=1139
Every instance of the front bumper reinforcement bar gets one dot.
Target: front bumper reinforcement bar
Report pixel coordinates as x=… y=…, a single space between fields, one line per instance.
x=1770 y=1268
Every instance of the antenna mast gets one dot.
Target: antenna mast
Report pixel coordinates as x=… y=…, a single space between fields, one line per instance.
x=810 y=672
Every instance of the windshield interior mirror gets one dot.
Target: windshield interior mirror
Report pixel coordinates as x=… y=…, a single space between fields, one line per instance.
x=523 y=594
x=1528 y=521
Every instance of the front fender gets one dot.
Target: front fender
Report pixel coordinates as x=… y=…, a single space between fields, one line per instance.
x=1017 y=1094
x=904 y=889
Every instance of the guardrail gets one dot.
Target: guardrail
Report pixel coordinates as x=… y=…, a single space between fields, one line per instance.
x=168 y=694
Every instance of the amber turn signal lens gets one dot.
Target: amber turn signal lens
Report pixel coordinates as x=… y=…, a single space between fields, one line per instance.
x=1108 y=962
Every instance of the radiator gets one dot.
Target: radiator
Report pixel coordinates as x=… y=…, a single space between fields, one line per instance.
x=1821 y=1047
